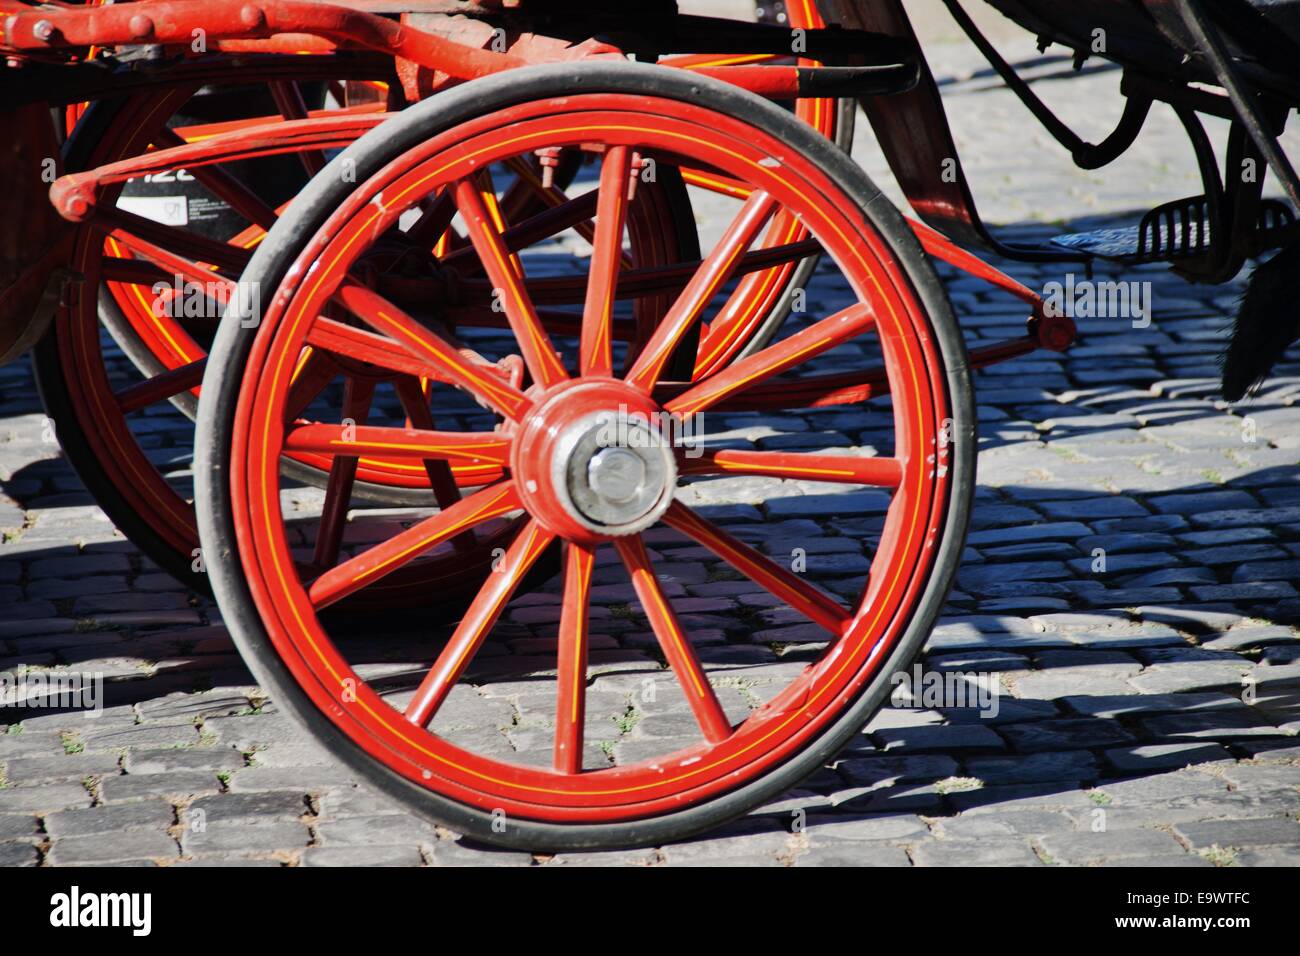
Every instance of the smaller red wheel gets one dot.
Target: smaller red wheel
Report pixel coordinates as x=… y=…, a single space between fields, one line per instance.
x=594 y=437
x=132 y=451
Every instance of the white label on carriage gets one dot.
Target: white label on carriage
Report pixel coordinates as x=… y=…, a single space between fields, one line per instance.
x=168 y=210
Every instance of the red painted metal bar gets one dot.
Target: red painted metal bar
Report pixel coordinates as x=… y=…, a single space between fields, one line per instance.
x=75 y=195
x=173 y=22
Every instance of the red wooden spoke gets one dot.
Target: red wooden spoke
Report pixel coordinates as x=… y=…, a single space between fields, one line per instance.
x=842 y=469
x=527 y=189
x=315 y=370
x=331 y=336
x=435 y=219
x=289 y=101
x=445 y=490
x=172 y=264
x=818 y=607
x=555 y=321
x=224 y=185
x=487 y=192
x=556 y=197
x=597 y=355
x=672 y=639
x=478 y=621
x=139 y=234
x=632 y=283
x=132 y=271
x=357 y=394
x=416 y=405
x=450 y=241
x=541 y=226
x=400 y=443
x=534 y=344
x=714 y=271
x=161 y=387
x=374 y=563
x=755 y=293
x=446 y=359
x=810 y=391
x=817 y=338
x=571 y=680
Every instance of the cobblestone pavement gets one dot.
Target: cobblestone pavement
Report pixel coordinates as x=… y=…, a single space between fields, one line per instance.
x=1148 y=713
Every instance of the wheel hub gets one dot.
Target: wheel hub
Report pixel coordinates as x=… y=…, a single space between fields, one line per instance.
x=593 y=462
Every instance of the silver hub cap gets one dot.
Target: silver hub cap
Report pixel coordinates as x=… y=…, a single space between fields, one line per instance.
x=614 y=477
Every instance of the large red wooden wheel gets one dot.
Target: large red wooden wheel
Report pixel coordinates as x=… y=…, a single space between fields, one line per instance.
x=585 y=459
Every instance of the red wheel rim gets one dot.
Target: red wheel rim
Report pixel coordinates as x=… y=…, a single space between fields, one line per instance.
x=729 y=755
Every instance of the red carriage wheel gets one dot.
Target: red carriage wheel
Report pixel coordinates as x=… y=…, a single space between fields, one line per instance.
x=590 y=461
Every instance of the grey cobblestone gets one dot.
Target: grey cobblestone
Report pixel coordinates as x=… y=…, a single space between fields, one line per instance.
x=17 y=826
x=1010 y=852
x=1089 y=849
x=113 y=846
x=241 y=839
x=19 y=854
x=362 y=856
x=1238 y=833
x=848 y=853
x=151 y=814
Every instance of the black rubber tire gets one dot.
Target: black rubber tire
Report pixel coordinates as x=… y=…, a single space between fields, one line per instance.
x=222 y=382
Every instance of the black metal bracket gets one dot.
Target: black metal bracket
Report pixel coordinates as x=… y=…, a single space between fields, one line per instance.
x=1085 y=155
x=1247 y=103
